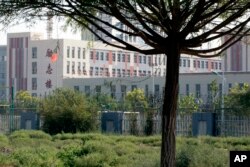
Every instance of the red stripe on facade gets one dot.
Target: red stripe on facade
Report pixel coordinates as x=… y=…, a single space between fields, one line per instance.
x=209 y=65
x=110 y=57
x=131 y=70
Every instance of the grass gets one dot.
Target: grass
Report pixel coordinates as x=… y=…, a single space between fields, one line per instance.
x=36 y=148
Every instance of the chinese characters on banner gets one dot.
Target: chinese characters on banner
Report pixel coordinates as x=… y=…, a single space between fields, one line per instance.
x=53 y=56
x=48 y=83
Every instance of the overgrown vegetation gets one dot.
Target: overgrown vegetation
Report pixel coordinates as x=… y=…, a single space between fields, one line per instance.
x=66 y=111
x=238 y=99
x=36 y=148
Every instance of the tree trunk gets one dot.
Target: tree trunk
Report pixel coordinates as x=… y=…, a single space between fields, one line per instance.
x=168 y=148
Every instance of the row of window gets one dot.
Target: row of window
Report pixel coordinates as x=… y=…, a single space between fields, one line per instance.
x=72 y=53
x=114 y=89
x=96 y=71
x=198 y=89
x=126 y=57
x=81 y=68
x=200 y=64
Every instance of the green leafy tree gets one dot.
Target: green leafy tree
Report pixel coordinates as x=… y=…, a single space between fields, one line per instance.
x=213 y=95
x=136 y=100
x=238 y=99
x=66 y=111
x=169 y=27
x=24 y=99
x=105 y=102
x=189 y=104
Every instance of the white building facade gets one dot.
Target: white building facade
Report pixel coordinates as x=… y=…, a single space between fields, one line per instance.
x=30 y=65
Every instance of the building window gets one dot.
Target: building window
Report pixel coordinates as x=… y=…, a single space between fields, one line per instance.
x=79 y=68
x=91 y=55
x=79 y=53
x=119 y=72
x=212 y=65
x=220 y=90
x=146 y=90
x=113 y=72
x=229 y=86
x=202 y=64
x=102 y=56
x=123 y=57
x=73 y=67
x=84 y=68
x=91 y=71
x=73 y=52
x=164 y=60
x=123 y=73
x=144 y=59
x=157 y=90
x=198 y=64
x=220 y=66
x=34 y=52
x=76 y=88
x=107 y=56
x=206 y=64
x=197 y=90
x=135 y=73
x=216 y=65
x=159 y=60
x=34 y=83
x=34 y=67
x=194 y=63
x=68 y=51
x=123 y=90
x=97 y=55
x=113 y=56
x=83 y=53
x=149 y=61
x=187 y=89
x=184 y=62
x=68 y=66
x=180 y=64
x=128 y=57
x=133 y=87
x=98 y=89
x=188 y=63
x=135 y=58
x=96 y=71
x=87 y=90
x=140 y=59
x=119 y=57
x=113 y=91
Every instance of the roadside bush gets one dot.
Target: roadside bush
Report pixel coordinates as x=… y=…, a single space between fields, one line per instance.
x=35 y=134
x=39 y=157
x=68 y=111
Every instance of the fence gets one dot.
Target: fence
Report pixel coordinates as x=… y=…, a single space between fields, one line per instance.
x=233 y=125
x=183 y=125
x=9 y=123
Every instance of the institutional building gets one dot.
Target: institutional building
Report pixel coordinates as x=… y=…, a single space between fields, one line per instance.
x=197 y=84
x=2 y=73
x=40 y=65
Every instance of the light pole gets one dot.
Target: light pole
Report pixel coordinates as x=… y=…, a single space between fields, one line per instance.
x=222 y=76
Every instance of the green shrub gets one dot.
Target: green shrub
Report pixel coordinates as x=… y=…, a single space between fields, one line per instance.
x=39 y=157
x=35 y=134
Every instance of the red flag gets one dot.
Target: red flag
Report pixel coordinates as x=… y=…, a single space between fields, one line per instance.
x=54 y=57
